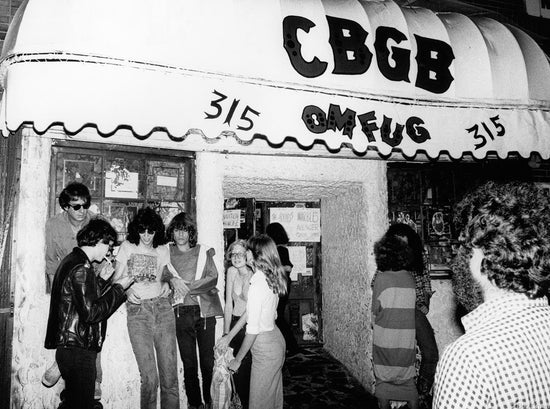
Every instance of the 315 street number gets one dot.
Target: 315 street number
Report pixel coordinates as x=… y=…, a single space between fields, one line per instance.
x=245 y=121
x=495 y=127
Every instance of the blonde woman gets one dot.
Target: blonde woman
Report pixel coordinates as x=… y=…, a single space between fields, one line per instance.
x=237 y=283
x=263 y=337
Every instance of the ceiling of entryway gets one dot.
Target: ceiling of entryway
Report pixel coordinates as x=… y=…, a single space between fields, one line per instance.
x=282 y=190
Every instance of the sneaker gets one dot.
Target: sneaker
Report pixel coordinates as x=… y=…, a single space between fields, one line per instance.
x=51 y=376
x=97 y=391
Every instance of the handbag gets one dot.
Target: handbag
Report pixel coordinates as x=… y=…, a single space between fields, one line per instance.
x=235 y=402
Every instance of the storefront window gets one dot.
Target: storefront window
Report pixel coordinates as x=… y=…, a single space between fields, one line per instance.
x=423 y=196
x=121 y=182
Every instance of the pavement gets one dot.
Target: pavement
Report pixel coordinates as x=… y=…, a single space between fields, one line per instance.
x=313 y=379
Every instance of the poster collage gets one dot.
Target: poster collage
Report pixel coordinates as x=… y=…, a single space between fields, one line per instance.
x=418 y=202
x=120 y=185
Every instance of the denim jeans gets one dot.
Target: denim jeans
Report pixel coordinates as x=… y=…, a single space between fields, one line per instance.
x=151 y=330
x=266 y=379
x=78 y=369
x=428 y=349
x=193 y=330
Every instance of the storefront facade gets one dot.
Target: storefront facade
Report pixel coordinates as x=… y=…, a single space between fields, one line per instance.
x=310 y=101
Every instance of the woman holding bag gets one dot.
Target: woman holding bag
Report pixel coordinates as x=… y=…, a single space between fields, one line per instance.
x=263 y=337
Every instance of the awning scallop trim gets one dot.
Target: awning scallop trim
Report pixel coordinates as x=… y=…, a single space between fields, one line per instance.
x=170 y=70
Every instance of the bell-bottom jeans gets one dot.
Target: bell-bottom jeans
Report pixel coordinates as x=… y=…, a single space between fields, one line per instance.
x=153 y=336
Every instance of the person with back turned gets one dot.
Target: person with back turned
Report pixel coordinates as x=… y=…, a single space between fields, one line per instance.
x=502 y=361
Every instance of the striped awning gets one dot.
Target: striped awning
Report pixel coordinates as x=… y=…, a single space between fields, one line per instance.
x=343 y=73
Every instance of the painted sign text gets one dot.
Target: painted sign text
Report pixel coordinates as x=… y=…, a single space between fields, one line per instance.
x=353 y=57
x=317 y=121
x=245 y=122
x=494 y=128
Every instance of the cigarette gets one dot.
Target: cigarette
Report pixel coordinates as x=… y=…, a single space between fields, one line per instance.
x=108 y=261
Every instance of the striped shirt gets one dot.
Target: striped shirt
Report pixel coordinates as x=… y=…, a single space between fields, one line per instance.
x=393 y=306
x=503 y=360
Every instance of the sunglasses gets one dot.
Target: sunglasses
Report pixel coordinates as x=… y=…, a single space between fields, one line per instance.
x=77 y=207
x=142 y=229
x=238 y=255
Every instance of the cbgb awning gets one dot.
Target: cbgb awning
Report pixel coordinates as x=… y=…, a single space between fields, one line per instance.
x=345 y=73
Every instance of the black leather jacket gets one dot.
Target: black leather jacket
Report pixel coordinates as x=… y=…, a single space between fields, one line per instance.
x=80 y=304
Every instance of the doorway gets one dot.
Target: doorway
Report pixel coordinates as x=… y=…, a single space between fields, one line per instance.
x=301 y=220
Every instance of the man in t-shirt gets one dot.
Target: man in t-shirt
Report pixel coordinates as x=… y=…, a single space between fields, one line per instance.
x=193 y=277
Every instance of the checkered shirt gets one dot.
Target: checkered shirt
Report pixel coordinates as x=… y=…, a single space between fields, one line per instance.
x=423 y=291
x=503 y=360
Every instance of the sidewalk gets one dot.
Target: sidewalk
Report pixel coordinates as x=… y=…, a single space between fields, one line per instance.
x=313 y=379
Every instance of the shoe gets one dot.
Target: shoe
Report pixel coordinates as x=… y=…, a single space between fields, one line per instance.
x=51 y=376
x=97 y=391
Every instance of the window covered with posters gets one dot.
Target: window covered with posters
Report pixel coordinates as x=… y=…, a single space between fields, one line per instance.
x=423 y=196
x=121 y=180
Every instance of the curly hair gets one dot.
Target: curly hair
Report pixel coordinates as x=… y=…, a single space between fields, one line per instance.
x=146 y=218
x=392 y=253
x=182 y=221
x=74 y=191
x=510 y=223
x=96 y=230
x=266 y=259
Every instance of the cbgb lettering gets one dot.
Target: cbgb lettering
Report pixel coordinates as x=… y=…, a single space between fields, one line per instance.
x=352 y=56
x=317 y=121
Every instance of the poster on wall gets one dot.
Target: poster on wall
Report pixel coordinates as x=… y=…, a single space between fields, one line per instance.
x=168 y=210
x=409 y=216
x=165 y=180
x=297 y=256
x=301 y=224
x=232 y=219
x=438 y=223
x=121 y=183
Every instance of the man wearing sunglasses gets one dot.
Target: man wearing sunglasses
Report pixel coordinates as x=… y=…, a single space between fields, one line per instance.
x=61 y=230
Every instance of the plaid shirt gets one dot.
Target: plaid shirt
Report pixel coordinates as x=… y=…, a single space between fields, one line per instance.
x=423 y=291
x=503 y=360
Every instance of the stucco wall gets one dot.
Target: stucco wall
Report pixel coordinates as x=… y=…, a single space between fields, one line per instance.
x=351 y=223
x=442 y=315
x=353 y=196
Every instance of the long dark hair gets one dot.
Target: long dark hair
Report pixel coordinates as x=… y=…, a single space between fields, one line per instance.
x=146 y=218
x=414 y=241
x=182 y=221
